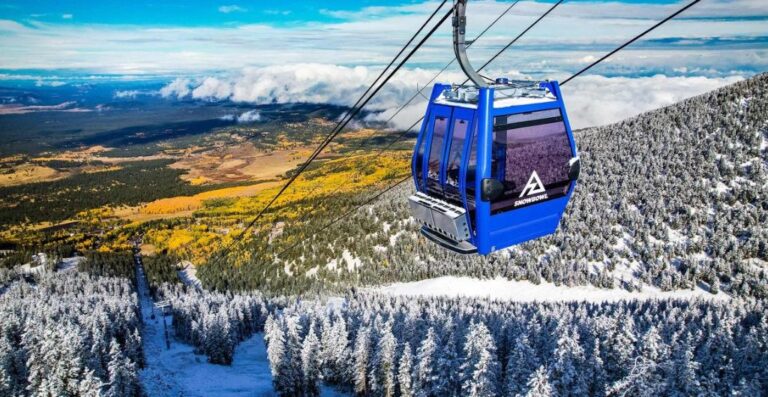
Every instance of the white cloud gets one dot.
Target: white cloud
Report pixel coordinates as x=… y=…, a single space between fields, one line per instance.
x=246 y=117
x=231 y=8
x=211 y=88
x=67 y=16
x=127 y=94
x=591 y=100
x=179 y=88
x=49 y=83
x=133 y=94
x=249 y=117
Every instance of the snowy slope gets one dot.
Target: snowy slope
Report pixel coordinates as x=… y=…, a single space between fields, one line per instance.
x=188 y=274
x=525 y=291
x=178 y=371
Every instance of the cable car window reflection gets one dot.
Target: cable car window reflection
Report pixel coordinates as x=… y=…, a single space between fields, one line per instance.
x=530 y=150
x=436 y=154
x=452 y=169
x=419 y=163
x=471 y=173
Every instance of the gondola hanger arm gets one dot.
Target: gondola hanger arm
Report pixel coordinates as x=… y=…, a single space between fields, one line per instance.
x=460 y=43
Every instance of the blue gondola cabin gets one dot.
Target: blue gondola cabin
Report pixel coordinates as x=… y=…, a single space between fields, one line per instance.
x=493 y=166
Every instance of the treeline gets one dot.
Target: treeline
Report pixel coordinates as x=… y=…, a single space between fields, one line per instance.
x=109 y=264
x=70 y=334
x=215 y=323
x=378 y=345
x=159 y=269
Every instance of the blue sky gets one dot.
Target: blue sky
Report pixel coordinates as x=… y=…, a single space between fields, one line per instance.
x=141 y=37
x=196 y=12
x=181 y=13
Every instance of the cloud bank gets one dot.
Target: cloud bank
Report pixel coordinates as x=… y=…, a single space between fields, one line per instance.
x=592 y=100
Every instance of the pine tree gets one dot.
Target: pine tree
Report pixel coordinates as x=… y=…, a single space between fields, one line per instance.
x=448 y=358
x=425 y=382
x=567 y=376
x=538 y=384
x=480 y=368
x=404 y=378
x=293 y=373
x=361 y=356
x=620 y=347
x=643 y=377
x=521 y=364
x=335 y=351
x=218 y=343
x=310 y=362
x=274 y=335
x=91 y=386
x=382 y=378
x=596 y=377
x=9 y=376
x=123 y=378
x=681 y=372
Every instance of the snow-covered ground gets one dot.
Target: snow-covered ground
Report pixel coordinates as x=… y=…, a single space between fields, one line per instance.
x=188 y=274
x=70 y=264
x=525 y=291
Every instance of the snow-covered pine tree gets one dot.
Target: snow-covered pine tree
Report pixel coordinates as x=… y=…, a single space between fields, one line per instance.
x=596 y=376
x=382 y=378
x=619 y=347
x=521 y=364
x=311 y=362
x=480 y=368
x=681 y=378
x=567 y=369
x=425 y=379
x=274 y=336
x=643 y=376
x=218 y=344
x=361 y=360
x=293 y=346
x=10 y=378
x=335 y=351
x=404 y=376
x=91 y=386
x=448 y=359
x=122 y=373
x=538 y=384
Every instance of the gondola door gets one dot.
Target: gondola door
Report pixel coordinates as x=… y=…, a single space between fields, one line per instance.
x=531 y=150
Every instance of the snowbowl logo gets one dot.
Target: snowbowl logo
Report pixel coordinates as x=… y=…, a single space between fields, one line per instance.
x=533 y=187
